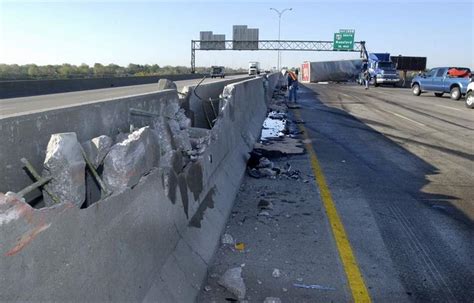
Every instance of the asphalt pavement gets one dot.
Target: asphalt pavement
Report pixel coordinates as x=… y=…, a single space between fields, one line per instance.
x=24 y=105
x=398 y=172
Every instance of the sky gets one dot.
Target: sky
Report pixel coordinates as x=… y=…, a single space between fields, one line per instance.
x=160 y=32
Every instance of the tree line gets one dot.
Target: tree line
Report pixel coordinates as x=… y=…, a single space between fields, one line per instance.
x=70 y=71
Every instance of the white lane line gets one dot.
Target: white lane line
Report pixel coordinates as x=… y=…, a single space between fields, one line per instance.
x=403 y=117
x=449 y=107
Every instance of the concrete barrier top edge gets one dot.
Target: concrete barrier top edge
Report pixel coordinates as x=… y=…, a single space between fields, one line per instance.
x=72 y=106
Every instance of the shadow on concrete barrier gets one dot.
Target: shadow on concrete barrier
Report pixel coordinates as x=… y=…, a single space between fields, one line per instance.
x=151 y=242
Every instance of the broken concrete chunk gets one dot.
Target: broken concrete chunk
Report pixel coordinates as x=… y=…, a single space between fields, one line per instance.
x=265 y=204
x=130 y=159
x=163 y=133
x=232 y=281
x=166 y=84
x=97 y=148
x=170 y=108
x=180 y=136
x=276 y=273
x=121 y=137
x=227 y=239
x=64 y=162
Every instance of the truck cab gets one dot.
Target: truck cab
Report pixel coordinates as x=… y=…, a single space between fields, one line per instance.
x=441 y=80
x=382 y=70
x=254 y=68
x=217 y=71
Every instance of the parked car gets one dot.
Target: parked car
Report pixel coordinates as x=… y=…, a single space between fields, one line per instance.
x=442 y=80
x=470 y=95
x=217 y=71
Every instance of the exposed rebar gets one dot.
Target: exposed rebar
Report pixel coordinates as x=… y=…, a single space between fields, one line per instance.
x=33 y=186
x=37 y=177
x=103 y=187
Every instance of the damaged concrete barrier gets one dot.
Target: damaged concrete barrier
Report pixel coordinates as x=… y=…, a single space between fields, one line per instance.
x=136 y=245
x=130 y=159
x=198 y=99
x=65 y=164
x=97 y=148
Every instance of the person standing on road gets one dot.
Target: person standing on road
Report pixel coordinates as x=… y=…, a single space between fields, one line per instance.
x=366 y=78
x=292 y=85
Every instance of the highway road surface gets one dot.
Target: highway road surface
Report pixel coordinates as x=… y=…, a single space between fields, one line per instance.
x=23 y=105
x=387 y=215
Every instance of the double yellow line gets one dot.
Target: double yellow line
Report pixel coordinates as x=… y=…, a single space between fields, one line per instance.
x=353 y=274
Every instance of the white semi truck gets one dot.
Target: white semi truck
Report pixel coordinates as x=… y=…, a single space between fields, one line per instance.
x=254 y=68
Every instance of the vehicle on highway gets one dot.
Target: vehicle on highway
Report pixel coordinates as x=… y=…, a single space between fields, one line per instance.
x=470 y=95
x=254 y=68
x=381 y=69
x=217 y=71
x=442 y=80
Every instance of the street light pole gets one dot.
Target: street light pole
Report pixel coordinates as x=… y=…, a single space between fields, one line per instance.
x=280 y=13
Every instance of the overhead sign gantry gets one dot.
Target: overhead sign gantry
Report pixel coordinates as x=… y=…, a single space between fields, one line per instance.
x=247 y=39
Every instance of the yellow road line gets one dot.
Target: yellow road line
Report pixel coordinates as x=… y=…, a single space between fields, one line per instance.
x=353 y=274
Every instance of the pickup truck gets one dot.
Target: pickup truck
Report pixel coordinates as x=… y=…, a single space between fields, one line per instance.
x=470 y=95
x=441 y=80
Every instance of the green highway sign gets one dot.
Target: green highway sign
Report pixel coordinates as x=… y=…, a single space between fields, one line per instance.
x=344 y=40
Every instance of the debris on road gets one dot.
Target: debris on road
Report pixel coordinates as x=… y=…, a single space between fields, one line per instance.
x=293 y=106
x=313 y=286
x=265 y=163
x=265 y=204
x=276 y=273
x=207 y=288
x=240 y=246
x=232 y=281
x=227 y=239
x=281 y=147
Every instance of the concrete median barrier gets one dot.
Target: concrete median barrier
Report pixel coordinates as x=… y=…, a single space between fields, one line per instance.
x=148 y=242
x=25 y=88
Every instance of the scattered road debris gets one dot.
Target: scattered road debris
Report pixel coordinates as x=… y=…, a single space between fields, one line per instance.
x=207 y=288
x=276 y=273
x=232 y=281
x=227 y=239
x=240 y=246
x=293 y=106
x=265 y=204
x=313 y=286
x=281 y=147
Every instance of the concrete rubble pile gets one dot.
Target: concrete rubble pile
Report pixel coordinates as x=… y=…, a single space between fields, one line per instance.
x=169 y=142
